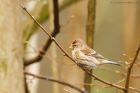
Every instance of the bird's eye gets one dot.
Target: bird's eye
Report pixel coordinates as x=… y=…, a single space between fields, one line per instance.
x=75 y=41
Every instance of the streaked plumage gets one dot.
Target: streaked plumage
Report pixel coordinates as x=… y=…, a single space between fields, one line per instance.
x=87 y=57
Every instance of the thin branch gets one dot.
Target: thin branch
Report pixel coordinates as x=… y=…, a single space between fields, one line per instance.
x=105 y=82
x=53 y=34
x=46 y=46
x=43 y=16
x=135 y=76
x=130 y=70
x=121 y=73
x=52 y=38
x=134 y=89
x=26 y=86
x=41 y=52
x=67 y=55
x=54 y=80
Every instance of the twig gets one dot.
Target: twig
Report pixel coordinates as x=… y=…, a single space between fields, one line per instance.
x=46 y=46
x=134 y=89
x=26 y=86
x=53 y=34
x=54 y=80
x=130 y=70
x=135 y=76
x=40 y=52
x=66 y=54
x=52 y=38
x=105 y=82
x=43 y=16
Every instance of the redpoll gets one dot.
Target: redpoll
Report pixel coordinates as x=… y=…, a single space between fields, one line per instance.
x=87 y=57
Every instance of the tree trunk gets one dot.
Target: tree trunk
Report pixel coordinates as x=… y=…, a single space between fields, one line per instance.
x=11 y=54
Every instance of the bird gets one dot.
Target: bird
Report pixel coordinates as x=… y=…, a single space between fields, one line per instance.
x=86 y=57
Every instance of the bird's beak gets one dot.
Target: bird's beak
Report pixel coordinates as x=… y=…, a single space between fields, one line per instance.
x=70 y=46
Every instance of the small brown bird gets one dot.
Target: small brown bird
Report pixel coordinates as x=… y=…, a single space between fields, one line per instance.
x=86 y=56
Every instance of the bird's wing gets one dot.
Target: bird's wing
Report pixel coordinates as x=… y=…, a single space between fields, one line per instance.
x=90 y=52
x=97 y=55
x=98 y=58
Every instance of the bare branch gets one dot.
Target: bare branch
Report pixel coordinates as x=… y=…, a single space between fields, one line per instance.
x=130 y=70
x=26 y=86
x=49 y=41
x=105 y=82
x=54 y=80
x=46 y=46
x=134 y=89
x=52 y=38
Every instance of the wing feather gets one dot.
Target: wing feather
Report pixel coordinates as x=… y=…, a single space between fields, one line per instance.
x=90 y=52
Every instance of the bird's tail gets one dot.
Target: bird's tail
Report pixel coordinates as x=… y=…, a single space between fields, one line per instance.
x=111 y=62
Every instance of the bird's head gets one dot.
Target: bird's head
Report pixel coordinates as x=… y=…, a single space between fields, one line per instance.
x=77 y=43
